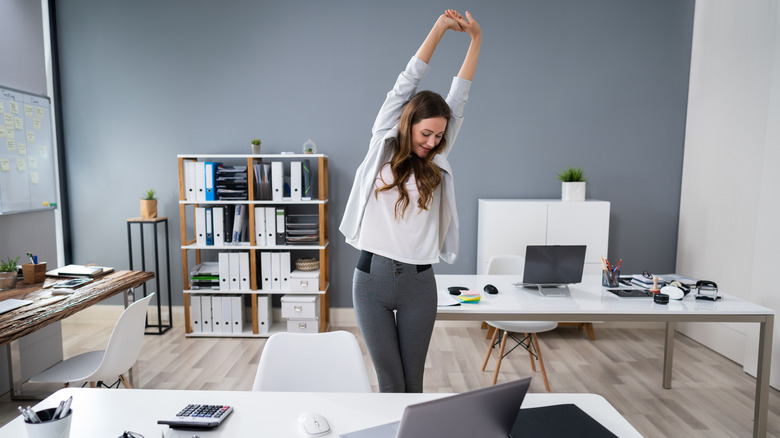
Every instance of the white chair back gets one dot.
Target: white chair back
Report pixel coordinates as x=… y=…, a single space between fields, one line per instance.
x=124 y=346
x=315 y=362
x=508 y=264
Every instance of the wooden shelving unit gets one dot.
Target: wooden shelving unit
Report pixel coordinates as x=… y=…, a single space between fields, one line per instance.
x=189 y=247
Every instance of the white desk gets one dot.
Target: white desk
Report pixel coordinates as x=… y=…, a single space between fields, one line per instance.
x=590 y=302
x=108 y=413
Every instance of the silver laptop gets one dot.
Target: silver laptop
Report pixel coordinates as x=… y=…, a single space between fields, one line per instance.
x=550 y=268
x=486 y=413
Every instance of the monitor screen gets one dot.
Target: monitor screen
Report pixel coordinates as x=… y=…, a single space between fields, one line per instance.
x=553 y=264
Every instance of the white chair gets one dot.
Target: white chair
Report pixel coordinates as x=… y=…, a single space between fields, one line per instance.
x=107 y=365
x=513 y=264
x=312 y=362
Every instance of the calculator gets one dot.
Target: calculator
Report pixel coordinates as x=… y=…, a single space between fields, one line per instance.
x=195 y=416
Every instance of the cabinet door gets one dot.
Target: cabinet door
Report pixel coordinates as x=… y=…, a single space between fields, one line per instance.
x=580 y=223
x=507 y=227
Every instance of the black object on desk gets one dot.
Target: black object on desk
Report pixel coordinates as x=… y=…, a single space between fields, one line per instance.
x=558 y=421
x=160 y=327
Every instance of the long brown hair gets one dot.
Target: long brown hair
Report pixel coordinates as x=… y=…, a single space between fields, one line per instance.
x=404 y=163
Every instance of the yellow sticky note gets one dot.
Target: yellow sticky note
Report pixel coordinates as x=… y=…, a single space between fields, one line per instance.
x=14 y=107
x=19 y=123
x=28 y=110
x=33 y=162
x=10 y=133
x=30 y=136
x=22 y=148
x=2 y=107
x=5 y=165
x=21 y=165
x=37 y=124
x=43 y=151
x=34 y=177
x=2 y=131
x=38 y=112
x=10 y=144
x=9 y=120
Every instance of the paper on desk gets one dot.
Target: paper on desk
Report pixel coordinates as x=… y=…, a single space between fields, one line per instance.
x=446 y=299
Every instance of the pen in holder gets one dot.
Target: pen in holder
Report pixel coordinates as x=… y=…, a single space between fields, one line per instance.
x=48 y=426
x=610 y=278
x=34 y=273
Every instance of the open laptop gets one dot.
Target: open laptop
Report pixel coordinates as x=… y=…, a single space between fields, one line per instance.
x=550 y=268
x=485 y=413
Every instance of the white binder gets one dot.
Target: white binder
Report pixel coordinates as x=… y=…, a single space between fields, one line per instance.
x=200 y=225
x=277 y=180
x=227 y=311
x=237 y=313
x=260 y=226
x=189 y=181
x=270 y=226
x=296 y=177
x=195 y=321
x=265 y=270
x=205 y=313
x=285 y=270
x=209 y=226
x=200 y=181
x=234 y=263
x=216 y=313
x=243 y=271
x=264 y=314
x=276 y=271
x=224 y=271
x=219 y=226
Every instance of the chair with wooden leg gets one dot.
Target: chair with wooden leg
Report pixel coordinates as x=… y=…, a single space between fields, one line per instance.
x=512 y=264
x=111 y=364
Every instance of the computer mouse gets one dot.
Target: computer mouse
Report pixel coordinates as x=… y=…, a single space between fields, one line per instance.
x=489 y=288
x=314 y=424
x=456 y=290
x=675 y=293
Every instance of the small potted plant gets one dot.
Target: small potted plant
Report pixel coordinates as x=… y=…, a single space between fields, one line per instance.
x=256 y=146
x=572 y=184
x=148 y=205
x=8 y=273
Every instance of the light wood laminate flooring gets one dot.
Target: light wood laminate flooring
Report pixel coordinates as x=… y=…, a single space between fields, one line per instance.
x=711 y=395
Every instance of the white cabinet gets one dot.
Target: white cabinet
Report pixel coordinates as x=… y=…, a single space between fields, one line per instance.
x=507 y=226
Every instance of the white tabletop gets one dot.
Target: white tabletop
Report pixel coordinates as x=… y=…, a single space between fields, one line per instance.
x=588 y=298
x=108 y=413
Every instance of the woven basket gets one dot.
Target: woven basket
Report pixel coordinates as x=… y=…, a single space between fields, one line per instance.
x=309 y=264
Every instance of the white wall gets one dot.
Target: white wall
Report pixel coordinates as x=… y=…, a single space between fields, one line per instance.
x=730 y=200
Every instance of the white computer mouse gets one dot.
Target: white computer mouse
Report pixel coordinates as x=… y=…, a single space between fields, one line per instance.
x=313 y=424
x=675 y=293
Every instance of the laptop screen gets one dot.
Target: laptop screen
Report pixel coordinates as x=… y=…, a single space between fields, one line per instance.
x=553 y=264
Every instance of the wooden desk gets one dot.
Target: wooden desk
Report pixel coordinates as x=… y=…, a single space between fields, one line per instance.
x=108 y=413
x=48 y=308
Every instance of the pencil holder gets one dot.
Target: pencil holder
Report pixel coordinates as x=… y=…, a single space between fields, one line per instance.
x=610 y=278
x=34 y=273
x=48 y=428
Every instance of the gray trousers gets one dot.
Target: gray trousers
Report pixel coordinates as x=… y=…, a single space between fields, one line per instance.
x=395 y=304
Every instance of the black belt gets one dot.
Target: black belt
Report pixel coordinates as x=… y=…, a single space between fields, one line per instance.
x=364 y=263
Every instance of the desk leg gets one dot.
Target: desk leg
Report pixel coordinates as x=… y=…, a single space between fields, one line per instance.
x=668 y=354
x=129 y=297
x=15 y=368
x=762 y=377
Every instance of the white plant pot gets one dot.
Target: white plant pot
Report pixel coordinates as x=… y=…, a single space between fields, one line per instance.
x=573 y=191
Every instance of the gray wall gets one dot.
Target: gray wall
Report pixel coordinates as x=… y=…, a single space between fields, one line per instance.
x=23 y=68
x=600 y=84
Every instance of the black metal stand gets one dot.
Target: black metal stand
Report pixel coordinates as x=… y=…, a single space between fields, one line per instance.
x=160 y=327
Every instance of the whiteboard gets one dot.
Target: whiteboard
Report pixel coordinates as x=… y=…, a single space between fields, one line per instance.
x=27 y=178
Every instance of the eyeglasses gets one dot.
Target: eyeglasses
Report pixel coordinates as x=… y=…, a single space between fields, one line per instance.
x=647 y=275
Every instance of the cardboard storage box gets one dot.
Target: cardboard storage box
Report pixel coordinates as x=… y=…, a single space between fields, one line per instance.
x=308 y=281
x=303 y=325
x=300 y=306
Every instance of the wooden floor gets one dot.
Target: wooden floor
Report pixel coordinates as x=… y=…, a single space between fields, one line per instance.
x=711 y=396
